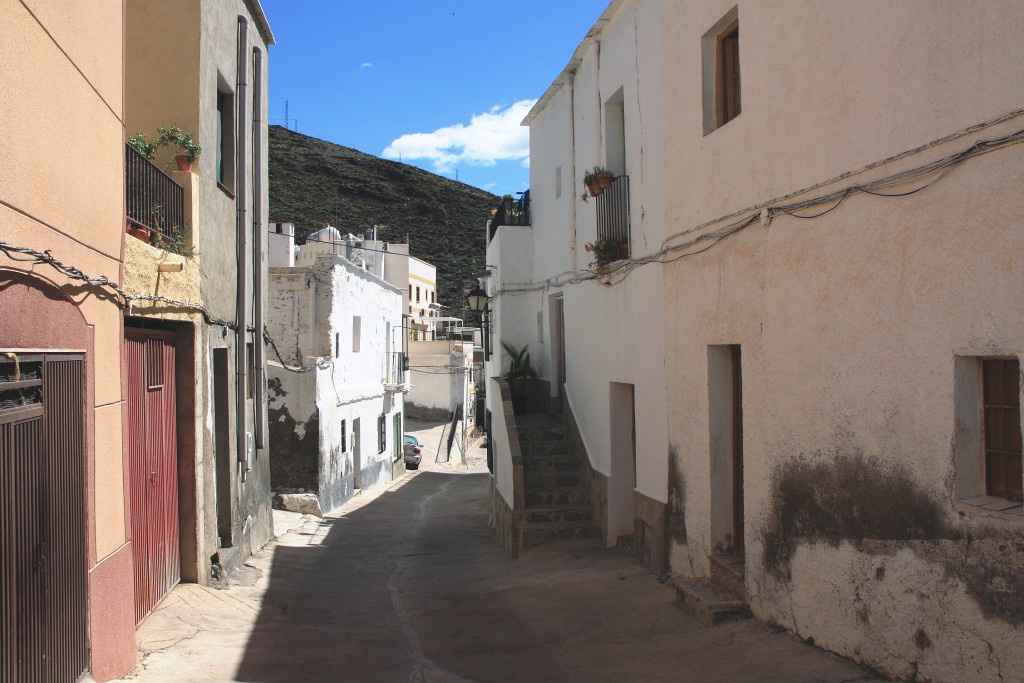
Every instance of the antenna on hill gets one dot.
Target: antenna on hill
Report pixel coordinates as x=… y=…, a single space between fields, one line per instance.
x=286 y=114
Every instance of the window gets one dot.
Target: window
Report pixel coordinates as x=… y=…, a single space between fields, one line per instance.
x=987 y=434
x=558 y=182
x=417 y=295
x=1001 y=417
x=344 y=437
x=720 y=72
x=225 y=149
x=431 y=296
x=382 y=433
x=357 y=332
x=410 y=292
x=337 y=345
x=728 y=74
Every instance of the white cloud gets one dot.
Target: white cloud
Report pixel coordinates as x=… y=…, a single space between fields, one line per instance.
x=488 y=138
x=366 y=65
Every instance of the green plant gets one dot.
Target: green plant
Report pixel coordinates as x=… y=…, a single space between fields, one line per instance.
x=519 y=367
x=177 y=244
x=180 y=140
x=589 y=177
x=175 y=137
x=605 y=251
x=141 y=143
x=601 y=170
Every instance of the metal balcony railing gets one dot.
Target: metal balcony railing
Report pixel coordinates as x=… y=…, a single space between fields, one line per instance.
x=510 y=212
x=613 y=212
x=152 y=199
x=397 y=365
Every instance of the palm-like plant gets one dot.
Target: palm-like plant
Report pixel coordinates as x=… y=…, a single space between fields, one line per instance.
x=519 y=367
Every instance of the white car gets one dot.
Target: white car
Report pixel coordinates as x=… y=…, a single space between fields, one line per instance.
x=411 y=448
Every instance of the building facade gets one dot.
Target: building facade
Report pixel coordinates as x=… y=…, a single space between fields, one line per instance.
x=822 y=362
x=337 y=391
x=63 y=470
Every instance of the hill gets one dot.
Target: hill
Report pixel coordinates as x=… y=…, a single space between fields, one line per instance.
x=314 y=182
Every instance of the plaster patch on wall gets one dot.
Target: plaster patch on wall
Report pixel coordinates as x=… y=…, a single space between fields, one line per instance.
x=294 y=463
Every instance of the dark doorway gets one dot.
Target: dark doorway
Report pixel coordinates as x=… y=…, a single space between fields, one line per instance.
x=222 y=442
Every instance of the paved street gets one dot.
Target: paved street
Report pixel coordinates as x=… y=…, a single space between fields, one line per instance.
x=408 y=584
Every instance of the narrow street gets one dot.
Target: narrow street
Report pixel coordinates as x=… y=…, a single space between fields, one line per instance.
x=408 y=584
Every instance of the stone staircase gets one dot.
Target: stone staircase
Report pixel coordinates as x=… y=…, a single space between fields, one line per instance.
x=719 y=597
x=557 y=506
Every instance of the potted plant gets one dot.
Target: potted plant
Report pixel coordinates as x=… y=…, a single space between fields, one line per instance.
x=592 y=183
x=188 y=149
x=520 y=374
x=507 y=201
x=604 y=176
x=605 y=252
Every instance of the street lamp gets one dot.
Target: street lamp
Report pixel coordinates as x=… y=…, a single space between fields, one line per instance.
x=478 y=301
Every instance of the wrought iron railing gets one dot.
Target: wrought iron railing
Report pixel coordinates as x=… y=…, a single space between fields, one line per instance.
x=397 y=365
x=510 y=212
x=613 y=212
x=152 y=199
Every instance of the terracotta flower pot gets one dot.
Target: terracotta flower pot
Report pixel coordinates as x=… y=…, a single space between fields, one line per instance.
x=594 y=189
x=623 y=251
x=139 y=233
x=606 y=179
x=183 y=163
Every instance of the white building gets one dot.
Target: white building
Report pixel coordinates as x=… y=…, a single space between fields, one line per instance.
x=336 y=401
x=811 y=325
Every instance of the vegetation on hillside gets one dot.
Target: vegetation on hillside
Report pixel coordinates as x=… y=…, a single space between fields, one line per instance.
x=314 y=183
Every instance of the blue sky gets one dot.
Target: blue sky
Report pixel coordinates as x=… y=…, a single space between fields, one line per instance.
x=444 y=84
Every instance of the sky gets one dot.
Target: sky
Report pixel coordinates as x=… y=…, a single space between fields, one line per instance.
x=440 y=84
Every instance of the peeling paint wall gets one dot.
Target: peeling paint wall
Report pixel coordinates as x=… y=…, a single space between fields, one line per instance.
x=851 y=324
x=343 y=323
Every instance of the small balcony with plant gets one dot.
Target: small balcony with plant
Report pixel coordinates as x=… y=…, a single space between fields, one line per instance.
x=509 y=211
x=611 y=193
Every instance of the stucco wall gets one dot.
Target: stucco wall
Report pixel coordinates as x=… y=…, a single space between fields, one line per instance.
x=63 y=191
x=311 y=317
x=849 y=324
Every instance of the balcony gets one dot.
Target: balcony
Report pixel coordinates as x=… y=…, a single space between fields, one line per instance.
x=613 y=213
x=509 y=212
x=154 y=202
x=398 y=364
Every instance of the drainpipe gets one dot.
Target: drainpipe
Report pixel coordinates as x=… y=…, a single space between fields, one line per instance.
x=242 y=248
x=572 y=164
x=310 y=280
x=259 y=237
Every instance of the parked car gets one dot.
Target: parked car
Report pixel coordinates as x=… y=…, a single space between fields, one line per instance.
x=411 y=448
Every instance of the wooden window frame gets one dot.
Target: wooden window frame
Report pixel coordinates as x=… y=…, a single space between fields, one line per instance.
x=727 y=74
x=1001 y=430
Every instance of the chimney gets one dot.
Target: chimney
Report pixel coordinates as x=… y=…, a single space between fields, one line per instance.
x=282 y=245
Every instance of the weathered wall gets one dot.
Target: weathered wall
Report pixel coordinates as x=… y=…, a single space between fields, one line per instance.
x=312 y=317
x=849 y=324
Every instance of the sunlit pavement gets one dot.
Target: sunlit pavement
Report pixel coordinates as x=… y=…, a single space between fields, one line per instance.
x=408 y=584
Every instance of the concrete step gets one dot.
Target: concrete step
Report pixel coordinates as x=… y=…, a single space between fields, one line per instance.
x=534 y=479
x=553 y=514
x=541 y=434
x=728 y=570
x=538 y=534
x=573 y=495
x=709 y=602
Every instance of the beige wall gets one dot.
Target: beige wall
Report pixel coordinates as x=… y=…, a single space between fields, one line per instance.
x=849 y=323
x=62 y=189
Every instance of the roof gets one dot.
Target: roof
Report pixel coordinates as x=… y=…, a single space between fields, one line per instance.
x=258 y=16
x=577 y=57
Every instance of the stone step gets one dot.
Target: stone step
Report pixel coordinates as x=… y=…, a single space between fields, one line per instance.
x=546 y=449
x=548 y=514
x=541 y=434
x=550 y=479
x=567 y=465
x=538 y=534
x=709 y=602
x=572 y=495
x=728 y=570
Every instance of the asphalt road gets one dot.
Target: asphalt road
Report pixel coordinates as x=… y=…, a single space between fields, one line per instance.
x=408 y=584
